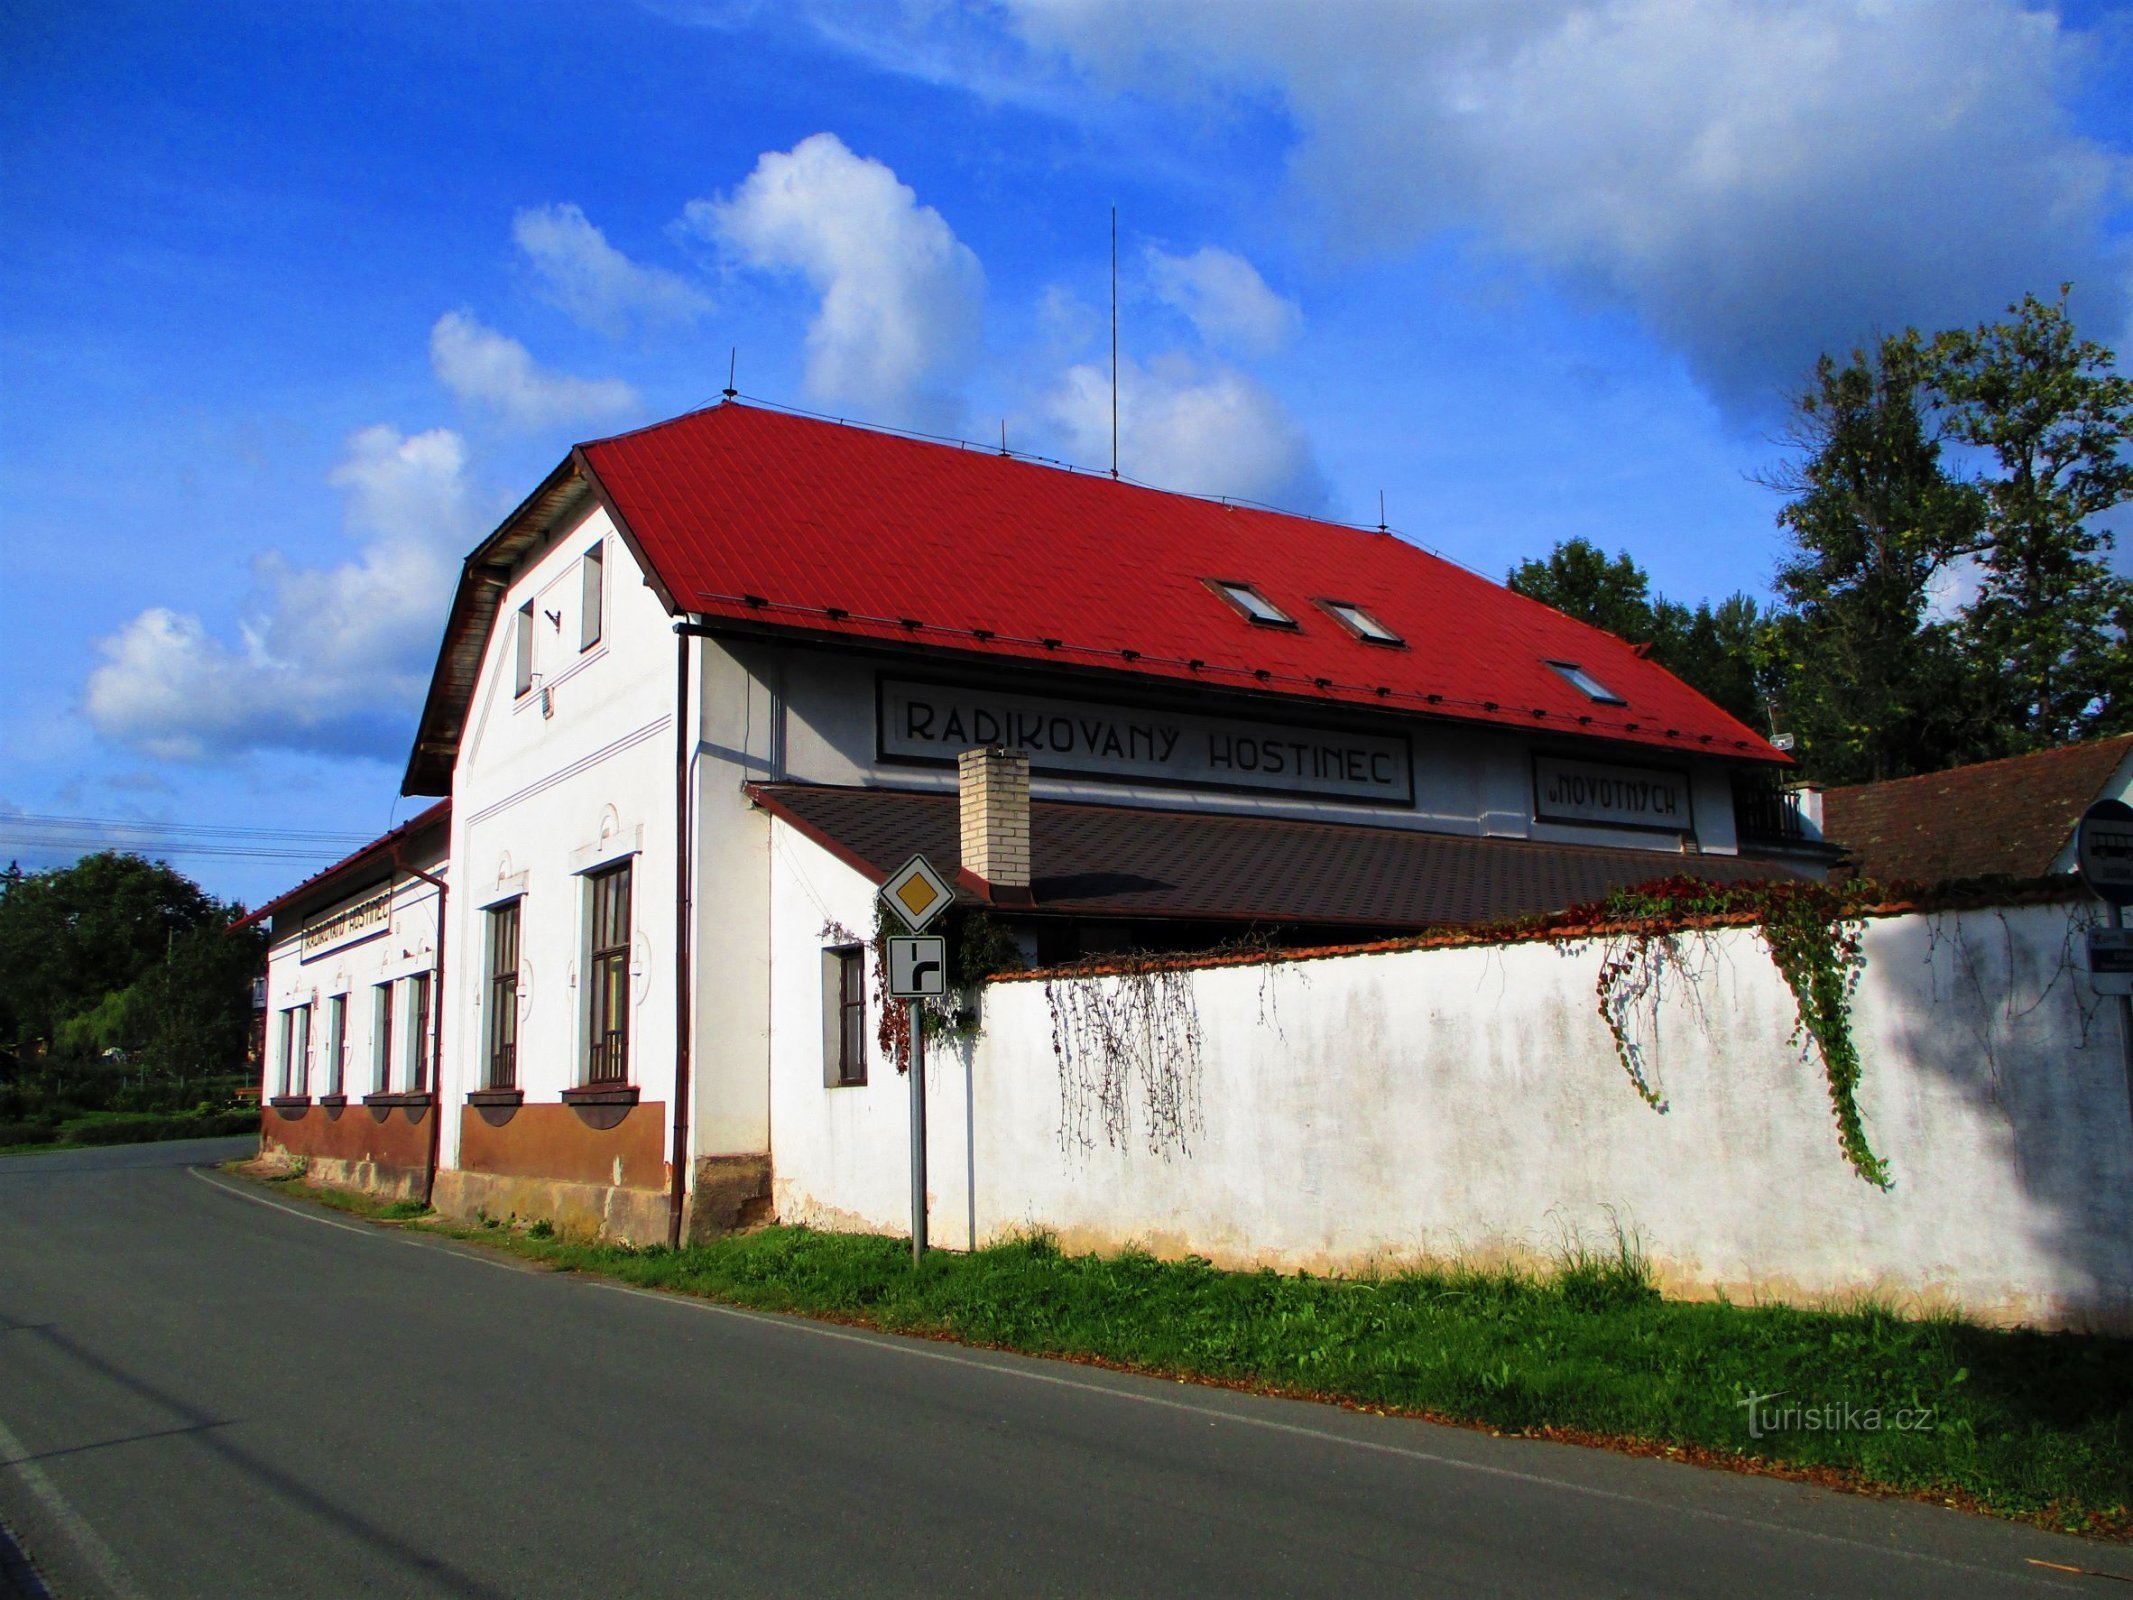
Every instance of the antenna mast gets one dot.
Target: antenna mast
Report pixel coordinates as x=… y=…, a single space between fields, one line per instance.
x=733 y=361
x=1114 y=341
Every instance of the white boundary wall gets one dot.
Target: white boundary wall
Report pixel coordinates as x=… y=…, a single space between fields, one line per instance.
x=1368 y=1110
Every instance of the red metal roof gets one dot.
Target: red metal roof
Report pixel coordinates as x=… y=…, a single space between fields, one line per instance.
x=769 y=519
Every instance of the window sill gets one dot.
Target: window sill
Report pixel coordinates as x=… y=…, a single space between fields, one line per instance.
x=290 y=1104
x=601 y=1094
x=496 y=1097
x=333 y=1102
x=418 y=1097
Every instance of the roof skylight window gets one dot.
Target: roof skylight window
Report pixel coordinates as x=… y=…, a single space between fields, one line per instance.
x=1360 y=622
x=1253 y=604
x=1586 y=684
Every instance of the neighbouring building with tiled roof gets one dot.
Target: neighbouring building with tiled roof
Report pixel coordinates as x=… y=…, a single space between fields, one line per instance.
x=1996 y=819
x=713 y=679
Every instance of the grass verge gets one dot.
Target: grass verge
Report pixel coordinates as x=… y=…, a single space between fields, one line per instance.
x=2022 y=1424
x=98 y=1128
x=353 y=1201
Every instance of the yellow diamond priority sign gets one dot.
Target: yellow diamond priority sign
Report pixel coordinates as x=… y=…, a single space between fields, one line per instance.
x=916 y=893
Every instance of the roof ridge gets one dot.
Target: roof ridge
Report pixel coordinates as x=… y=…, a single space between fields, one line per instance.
x=2066 y=751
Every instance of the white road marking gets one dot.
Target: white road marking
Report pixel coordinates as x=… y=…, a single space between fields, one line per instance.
x=276 y=1205
x=101 y=1560
x=923 y=1350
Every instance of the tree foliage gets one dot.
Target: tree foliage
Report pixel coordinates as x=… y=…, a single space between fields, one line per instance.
x=115 y=953
x=1868 y=686
x=2049 y=625
x=1975 y=462
x=1712 y=648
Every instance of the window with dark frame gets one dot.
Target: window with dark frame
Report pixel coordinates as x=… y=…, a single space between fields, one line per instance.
x=336 y=1043
x=1256 y=607
x=381 y=1039
x=1360 y=623
x=844 y=1019
x=592 y=578
x=1586 y=684
x=503 y=997
x=418 y=1039
x=296 y=1050
x=608 y=1048
x=522 y=681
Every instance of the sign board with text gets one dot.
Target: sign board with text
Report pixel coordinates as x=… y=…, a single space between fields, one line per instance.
x=2111 y=960
x=366 y=919
x=934 y=723
x=2103 y=850
x=1611 y=796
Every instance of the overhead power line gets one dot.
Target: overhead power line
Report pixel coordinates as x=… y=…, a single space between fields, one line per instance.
x=37 y=832
x=203 y=830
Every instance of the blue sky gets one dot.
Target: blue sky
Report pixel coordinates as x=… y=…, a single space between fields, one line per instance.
x=296 y=300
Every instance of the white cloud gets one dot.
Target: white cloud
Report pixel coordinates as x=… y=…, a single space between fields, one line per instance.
x=593 y=282
x=1224 y=298
x=902 y=299
x=1758 y=181
x=487 y=368
x=1199 y=430
x=328 y=659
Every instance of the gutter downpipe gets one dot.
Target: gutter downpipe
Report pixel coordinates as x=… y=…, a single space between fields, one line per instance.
x=436 y=1084
x=684 y=855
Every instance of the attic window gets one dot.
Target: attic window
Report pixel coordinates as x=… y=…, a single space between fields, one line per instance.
x=1255 y=606
x=1360 y=622
x=522 y=646
x=1587 y=685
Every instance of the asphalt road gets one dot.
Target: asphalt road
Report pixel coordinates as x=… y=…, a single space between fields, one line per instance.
x=205 y=1391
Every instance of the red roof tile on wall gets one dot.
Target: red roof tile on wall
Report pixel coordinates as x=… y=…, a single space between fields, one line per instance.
x=775 y=520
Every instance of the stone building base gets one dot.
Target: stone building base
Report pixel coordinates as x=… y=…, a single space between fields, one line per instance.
x=731 y=1193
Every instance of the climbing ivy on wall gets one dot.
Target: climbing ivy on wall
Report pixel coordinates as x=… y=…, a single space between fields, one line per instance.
x=1814 y=934
x=978 y=947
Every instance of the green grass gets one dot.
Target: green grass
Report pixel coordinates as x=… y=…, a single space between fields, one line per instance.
x=353 y=1201
x=2030 y=1425
x=97 y=1128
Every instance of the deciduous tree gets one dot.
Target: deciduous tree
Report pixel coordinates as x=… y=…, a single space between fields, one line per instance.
x=2055 y=421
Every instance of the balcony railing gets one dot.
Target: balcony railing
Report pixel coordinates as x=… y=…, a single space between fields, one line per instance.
x=1766 y=812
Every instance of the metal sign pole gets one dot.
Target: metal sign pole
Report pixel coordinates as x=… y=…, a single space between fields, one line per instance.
x=918 y=1136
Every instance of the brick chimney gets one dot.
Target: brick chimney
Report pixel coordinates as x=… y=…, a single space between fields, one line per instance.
x=994 y=785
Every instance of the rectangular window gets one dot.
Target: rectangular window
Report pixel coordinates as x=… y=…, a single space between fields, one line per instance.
x=296 y=1050
x=503 y=997
x=607 y=1059
x=844 y=1015
x=1360 y=622
x=522 y=681
x=592 y=579
x=381 y=1039
x=336 y=1043
x=1586 y=684
x=1253 y=604
x=418 y=1033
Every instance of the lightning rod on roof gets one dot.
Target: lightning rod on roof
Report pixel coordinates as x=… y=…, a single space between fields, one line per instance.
x=1381 y=511
x=733 y=361
x=1114 y=341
